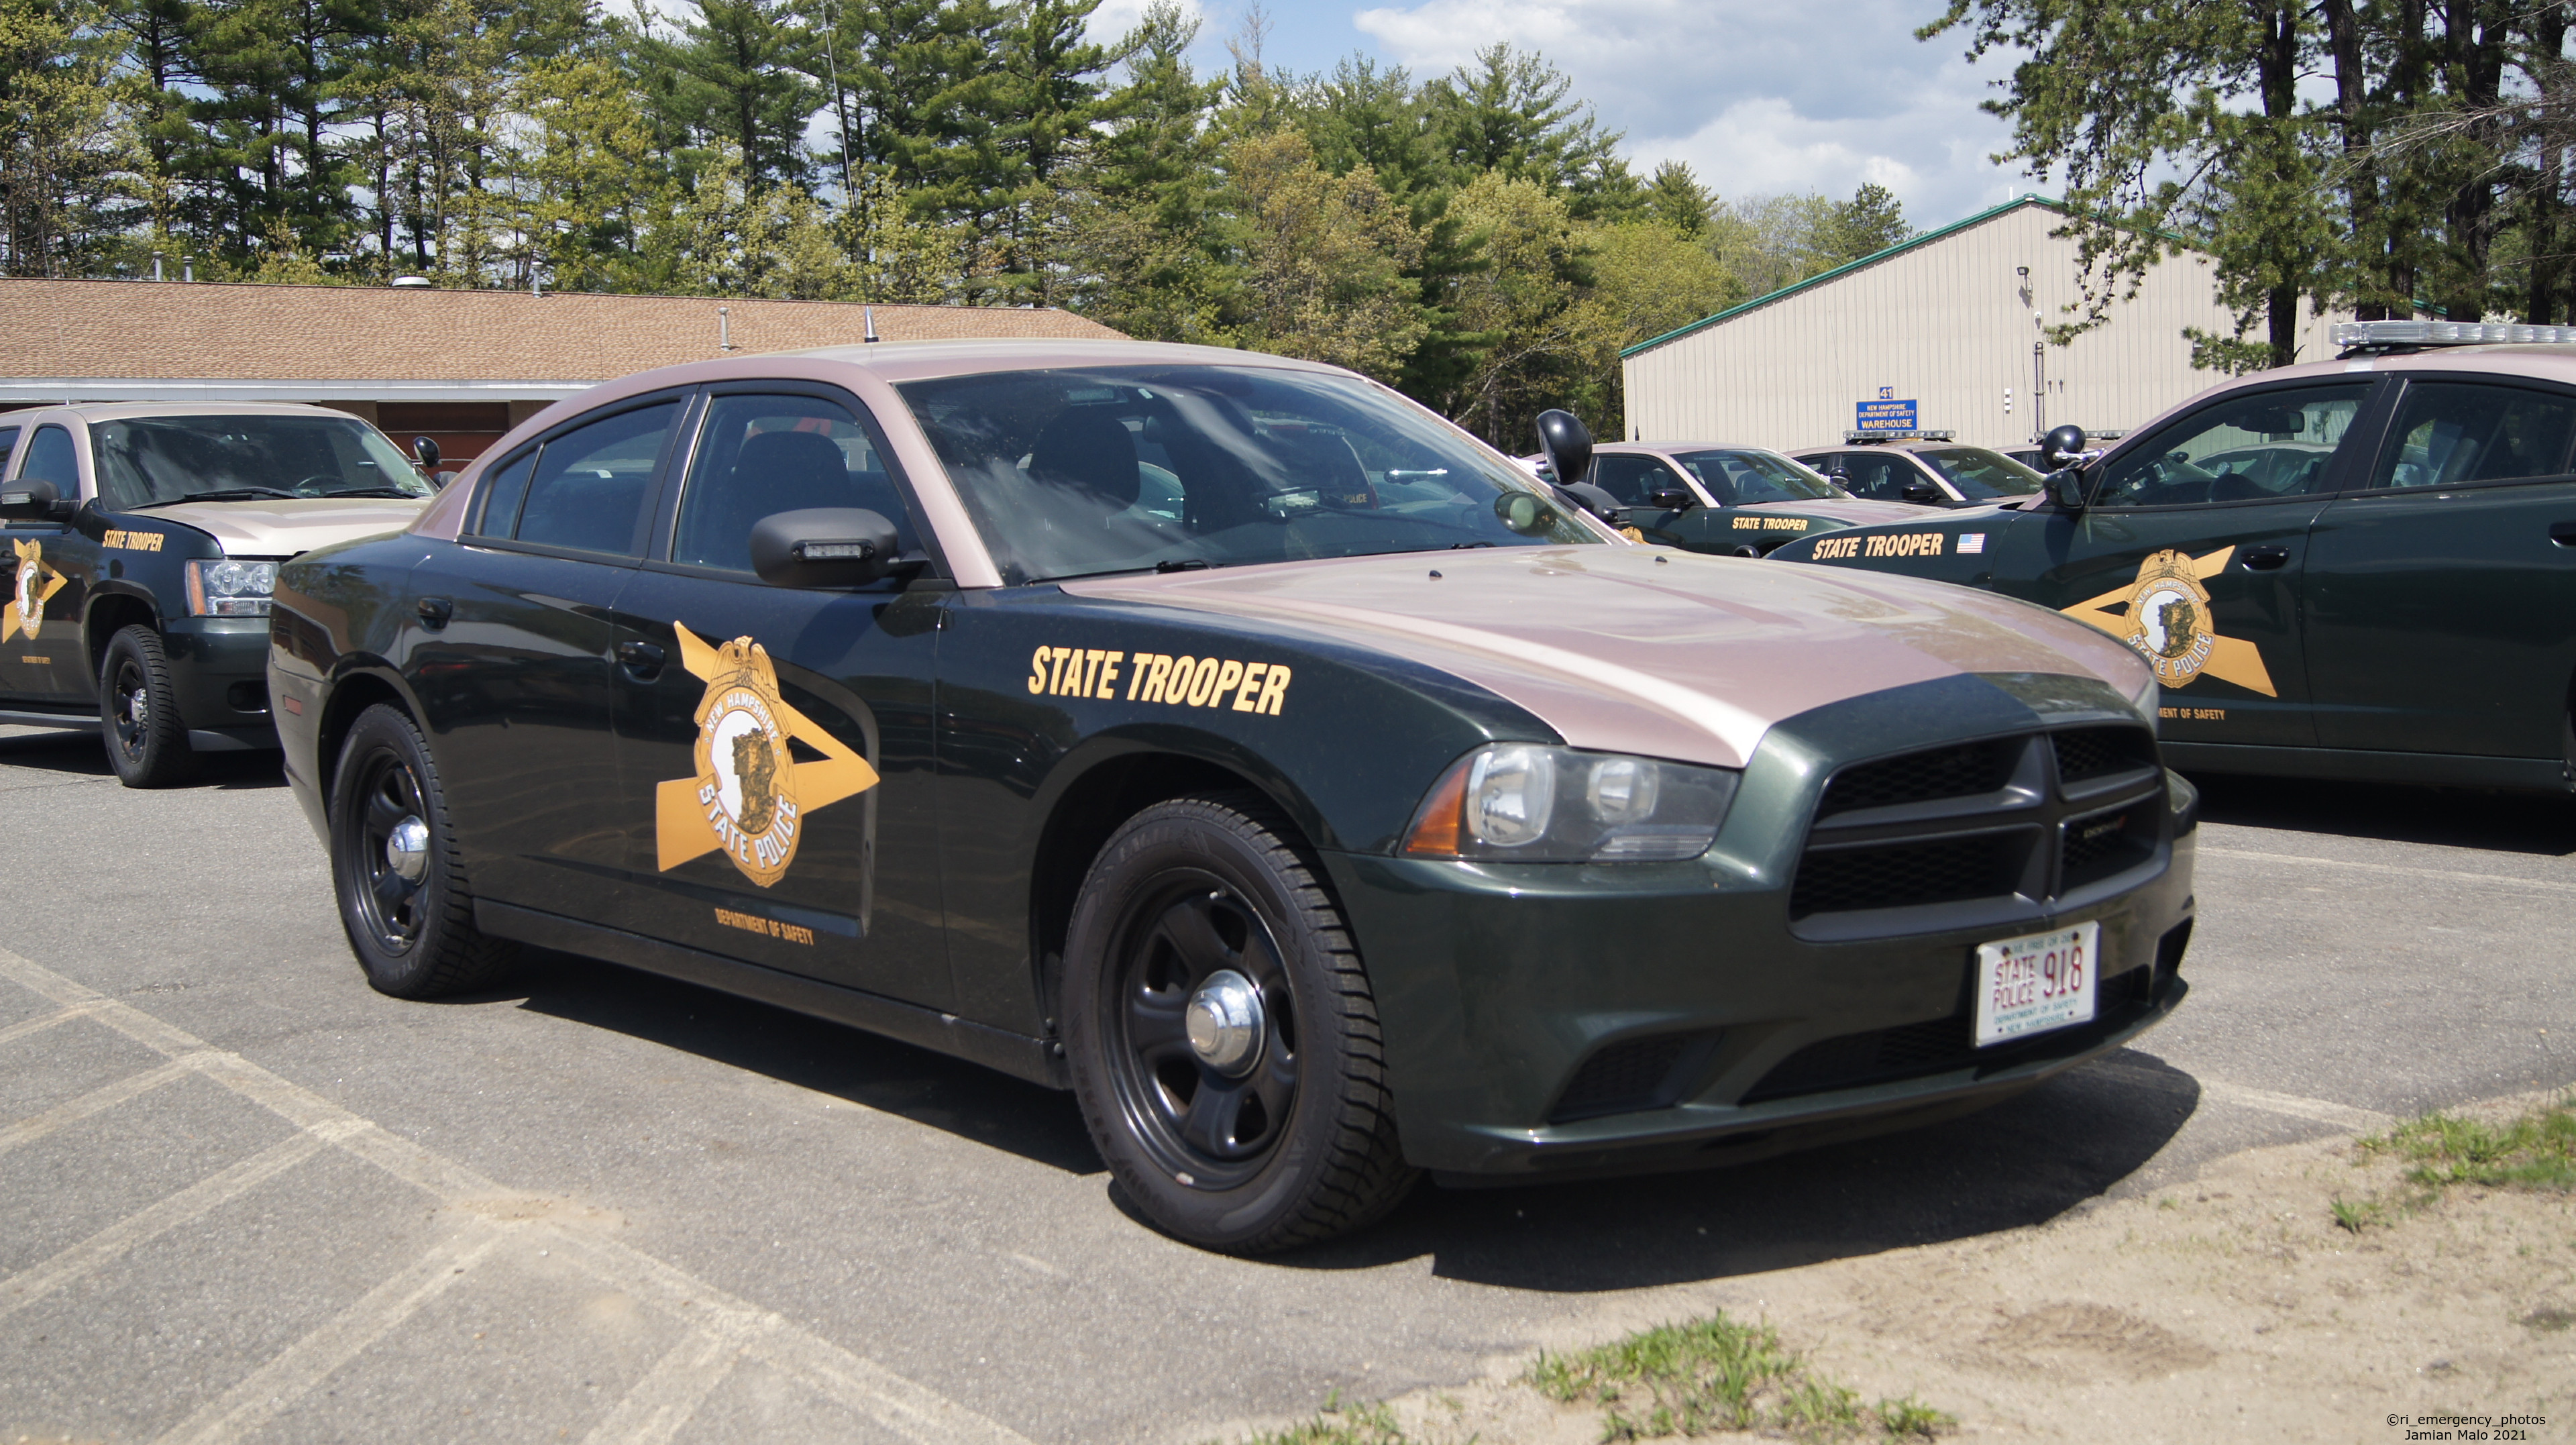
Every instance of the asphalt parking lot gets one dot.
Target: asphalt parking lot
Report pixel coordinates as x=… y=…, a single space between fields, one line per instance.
x=247 y=1198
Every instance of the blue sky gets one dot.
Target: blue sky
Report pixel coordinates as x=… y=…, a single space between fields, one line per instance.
x=1759 y=97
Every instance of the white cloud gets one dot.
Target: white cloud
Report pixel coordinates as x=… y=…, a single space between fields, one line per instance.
x=1116 y=17
x=1755 y=95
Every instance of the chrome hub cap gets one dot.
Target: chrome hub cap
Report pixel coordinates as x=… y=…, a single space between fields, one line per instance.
x=1225 y=1022
x=407 y=849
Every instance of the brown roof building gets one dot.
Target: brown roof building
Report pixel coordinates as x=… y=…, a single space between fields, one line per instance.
x=460 y=366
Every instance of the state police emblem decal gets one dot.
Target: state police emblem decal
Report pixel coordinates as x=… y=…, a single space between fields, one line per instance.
x=24 y=615
x=750 y=797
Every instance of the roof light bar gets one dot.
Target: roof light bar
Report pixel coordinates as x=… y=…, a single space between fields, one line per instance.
x=1855 y=438
x=2359 y=335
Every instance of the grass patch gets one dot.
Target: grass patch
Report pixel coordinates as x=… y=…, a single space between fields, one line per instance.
x=2353 y=1216
x=1717 y=1374
x=1340 y=1424
x=2534 y=1151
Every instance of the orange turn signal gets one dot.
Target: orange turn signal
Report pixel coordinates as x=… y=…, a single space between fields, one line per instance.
x=1435 y=829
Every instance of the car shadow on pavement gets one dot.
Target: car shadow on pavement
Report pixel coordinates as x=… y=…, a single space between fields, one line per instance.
x=2025 y=1161
x=2022 y=1162
x=72 y=754
x=2445 y=817
x=964 y=1099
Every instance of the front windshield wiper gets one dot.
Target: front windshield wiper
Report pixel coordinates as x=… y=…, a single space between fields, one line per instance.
x=1168 y=564
x=375 y=492
x=228 y=494
x=1181 y=564
x=1463 y=546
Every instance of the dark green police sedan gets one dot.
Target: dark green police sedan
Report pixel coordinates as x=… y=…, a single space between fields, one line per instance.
x=1735 y=501
x=2362 y=568
x=1237 y=744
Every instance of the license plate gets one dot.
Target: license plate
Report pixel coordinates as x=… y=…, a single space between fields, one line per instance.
x=2037 y=982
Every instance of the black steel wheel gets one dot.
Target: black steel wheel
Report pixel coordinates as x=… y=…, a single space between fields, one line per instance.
x=138 y=712
x=403 y=900
x=1222 y=1035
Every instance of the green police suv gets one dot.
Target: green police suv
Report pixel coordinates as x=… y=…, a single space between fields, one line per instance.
x=2360 y=568
x=1236 y=743
x=142 y=542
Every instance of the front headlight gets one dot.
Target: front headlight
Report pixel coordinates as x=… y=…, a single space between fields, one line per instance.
x=230 y=587
x=1521 y=802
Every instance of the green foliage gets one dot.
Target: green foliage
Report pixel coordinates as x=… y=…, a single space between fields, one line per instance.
x=68 y=148
x=2536 y=1150
x=1717 y=1374
x=1339 y=1424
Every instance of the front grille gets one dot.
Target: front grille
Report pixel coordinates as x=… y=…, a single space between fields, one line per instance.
x=2106 y=843
x=1967 y=771
x=1908 y=875
x=1981 y=822
x=2087 y=753
x=1628 y=1075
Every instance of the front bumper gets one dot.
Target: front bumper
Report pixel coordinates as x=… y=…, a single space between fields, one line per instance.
x=1546 y=1020
x=219 y=668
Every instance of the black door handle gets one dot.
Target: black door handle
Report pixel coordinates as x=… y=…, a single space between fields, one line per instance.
x=434 y=612
x=2563 y=533
x=642 y=660
x=2265 y=559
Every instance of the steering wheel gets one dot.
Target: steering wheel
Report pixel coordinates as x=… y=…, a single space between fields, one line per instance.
x=319 y=484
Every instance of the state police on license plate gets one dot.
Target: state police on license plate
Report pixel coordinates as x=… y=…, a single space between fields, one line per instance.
x=2037 y=982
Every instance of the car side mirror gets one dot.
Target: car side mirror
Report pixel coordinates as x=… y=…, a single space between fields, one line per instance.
x=426 y=451
x=35 y=501
x=2066 y=489
x=1568 y=444
x=823 y=547
x=1922 y=491
x=1673 y=499
x=1592 y=499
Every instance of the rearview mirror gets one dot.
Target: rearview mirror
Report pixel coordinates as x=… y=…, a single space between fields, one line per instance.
x=1568 y=444
x=823 y=547
x=2066 y=489
x=34 y=501
x=1673 y=499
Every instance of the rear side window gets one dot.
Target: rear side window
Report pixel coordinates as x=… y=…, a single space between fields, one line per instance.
x=503 y=491
x=8 y=444
x=1630 y=480
x=50 y=458
x=590 y=487
x=2449 y=433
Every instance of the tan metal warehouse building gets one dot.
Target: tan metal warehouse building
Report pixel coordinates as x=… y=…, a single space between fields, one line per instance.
x=1944 y=321
x=459 y=366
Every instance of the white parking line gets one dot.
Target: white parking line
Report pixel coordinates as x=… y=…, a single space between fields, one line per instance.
x=273 y=1387
x=42 y=1022
x=2506 y=880
x=669 y=1393
x=96 y=1101
x=855 y=1383
x=110 y=1244
x=2219 y=1091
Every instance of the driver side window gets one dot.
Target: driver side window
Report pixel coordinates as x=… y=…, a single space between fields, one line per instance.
x=758 y=456
x=2244 y=449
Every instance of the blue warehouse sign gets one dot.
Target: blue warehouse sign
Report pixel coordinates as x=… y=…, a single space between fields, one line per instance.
x=1885 y=416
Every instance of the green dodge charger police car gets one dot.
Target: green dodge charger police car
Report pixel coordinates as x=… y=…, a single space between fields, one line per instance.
x=1243 y=747
x=2360 y=568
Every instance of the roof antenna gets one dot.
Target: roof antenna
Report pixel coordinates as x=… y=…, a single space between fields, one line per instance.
x=724 y=328
x=869 y=315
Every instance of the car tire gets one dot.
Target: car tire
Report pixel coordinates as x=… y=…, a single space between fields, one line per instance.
x=407 y=911
x=1294 y=1141
x=138 y=712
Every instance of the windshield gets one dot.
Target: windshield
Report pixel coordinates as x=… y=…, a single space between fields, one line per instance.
x=1741 y=478
x=1981 y=475
x=166 y=459
x=1073 y=473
